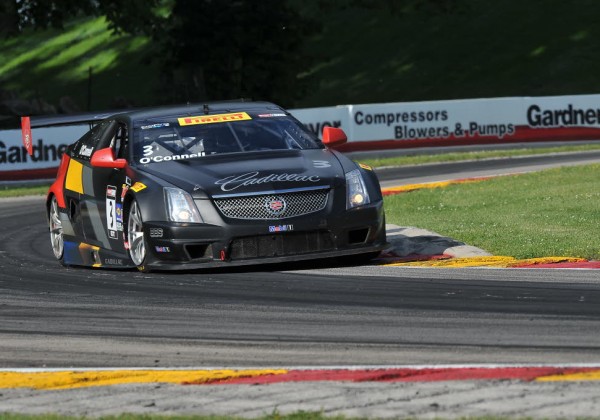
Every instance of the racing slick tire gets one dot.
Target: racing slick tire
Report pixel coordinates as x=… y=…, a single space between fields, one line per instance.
x=137 y=249
x=56 y=230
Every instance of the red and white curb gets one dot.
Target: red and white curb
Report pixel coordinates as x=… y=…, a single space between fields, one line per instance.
x=78 y=378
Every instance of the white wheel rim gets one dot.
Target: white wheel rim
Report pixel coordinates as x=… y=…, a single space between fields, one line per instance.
x=135 y=235
x=56 y=230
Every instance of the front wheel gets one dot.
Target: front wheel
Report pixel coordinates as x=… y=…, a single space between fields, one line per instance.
x=135 y=236
x=56 y=230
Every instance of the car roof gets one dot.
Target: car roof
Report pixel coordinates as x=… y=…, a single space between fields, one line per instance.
x=207 y=108
x=142 y=114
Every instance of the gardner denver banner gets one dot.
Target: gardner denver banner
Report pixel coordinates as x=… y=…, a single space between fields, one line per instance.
x=372 y=127
x=460 y=122
x=49 y=144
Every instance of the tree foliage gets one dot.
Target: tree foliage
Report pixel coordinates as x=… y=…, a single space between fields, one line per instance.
x=133 y=16
x=211 y=50
x=224 y=50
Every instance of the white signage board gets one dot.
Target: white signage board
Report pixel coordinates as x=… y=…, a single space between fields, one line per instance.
x=454 y=122
x=374 y=126
x=49 y=144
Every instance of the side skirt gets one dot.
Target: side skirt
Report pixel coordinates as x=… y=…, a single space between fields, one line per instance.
x=81 y=253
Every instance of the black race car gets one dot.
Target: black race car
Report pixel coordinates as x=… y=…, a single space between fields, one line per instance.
x=216 y=184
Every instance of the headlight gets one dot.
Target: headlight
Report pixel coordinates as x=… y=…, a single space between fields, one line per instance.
x=356 y=190
x=181 y=207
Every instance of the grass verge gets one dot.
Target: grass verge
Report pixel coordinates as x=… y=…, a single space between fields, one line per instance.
x=549 y=213
x=477 y=155
x=9 y=191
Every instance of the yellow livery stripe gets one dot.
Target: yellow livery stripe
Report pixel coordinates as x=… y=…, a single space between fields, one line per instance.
x=138 y=186
x=74 y=181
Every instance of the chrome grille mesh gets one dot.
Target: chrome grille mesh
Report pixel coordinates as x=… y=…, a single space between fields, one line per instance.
x=273 y=206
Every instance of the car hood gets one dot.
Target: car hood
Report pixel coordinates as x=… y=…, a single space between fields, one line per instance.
x=247 y=173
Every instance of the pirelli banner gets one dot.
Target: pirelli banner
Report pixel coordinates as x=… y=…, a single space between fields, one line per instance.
x=460 y=122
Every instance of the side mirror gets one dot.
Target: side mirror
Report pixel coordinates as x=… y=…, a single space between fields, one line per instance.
x=333 y=136
x=105 y=158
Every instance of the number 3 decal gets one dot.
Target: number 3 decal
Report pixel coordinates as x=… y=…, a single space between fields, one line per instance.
x=147 y=150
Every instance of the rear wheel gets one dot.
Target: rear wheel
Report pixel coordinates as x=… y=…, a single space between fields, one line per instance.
x=56 y=230
x=135 y=236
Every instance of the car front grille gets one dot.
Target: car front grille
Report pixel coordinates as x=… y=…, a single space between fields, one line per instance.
x=280 y=245
x=273 y=206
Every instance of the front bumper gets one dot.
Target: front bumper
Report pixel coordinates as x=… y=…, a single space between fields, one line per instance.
x=245 y=242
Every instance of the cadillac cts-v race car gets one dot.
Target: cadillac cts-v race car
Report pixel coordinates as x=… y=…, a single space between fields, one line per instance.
x=217 y=184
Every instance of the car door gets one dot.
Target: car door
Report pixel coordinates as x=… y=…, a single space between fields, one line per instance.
x=78 y=185
x=91 y=213
x=112 y=184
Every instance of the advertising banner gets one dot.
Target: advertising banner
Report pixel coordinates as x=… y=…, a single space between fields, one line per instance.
x=372 y=127
x=48 y=145
x=315 y=119
x=461 y=122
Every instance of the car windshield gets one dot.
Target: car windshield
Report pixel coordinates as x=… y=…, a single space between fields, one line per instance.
x=194 y=137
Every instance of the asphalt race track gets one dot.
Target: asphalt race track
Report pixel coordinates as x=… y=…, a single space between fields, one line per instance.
x=480 y=168
x=311 y=315
x=282 y=315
